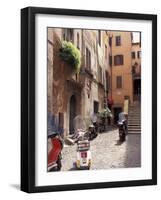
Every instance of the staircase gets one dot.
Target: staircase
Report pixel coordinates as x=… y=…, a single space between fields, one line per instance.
x=134 y=118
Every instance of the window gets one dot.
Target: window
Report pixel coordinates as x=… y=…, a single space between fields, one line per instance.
x=105 y=51
x=110 y=60
x=64 y=36
x=118 y=82
x=133 y=54
x=110 y=41
x=139 y=54
x=107 y=81
x=61 y=122
x=99 y=37
x=118 y=60
x=68 y=34
x=118 y=40
x=78 y=41
x=88 y=59
x=100 y=74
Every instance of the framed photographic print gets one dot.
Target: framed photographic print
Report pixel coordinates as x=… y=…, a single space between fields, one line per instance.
x=88 y=99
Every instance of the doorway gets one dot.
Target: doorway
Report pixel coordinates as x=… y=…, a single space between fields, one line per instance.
x=72 y=113
x=137 y=89
x=95 y=106
x=117 y=110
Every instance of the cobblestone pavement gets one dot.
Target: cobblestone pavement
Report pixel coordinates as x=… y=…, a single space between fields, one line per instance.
x=107 y=152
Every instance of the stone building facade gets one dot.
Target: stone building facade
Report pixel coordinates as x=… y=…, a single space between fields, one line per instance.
x=71 y=94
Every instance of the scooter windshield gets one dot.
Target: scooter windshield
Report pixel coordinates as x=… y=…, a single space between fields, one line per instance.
x=79 y=123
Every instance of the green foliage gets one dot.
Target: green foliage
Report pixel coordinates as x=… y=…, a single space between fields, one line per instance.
x=71 y=55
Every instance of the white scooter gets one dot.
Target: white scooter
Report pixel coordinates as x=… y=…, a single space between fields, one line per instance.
x=83 y=144
x=83 y=154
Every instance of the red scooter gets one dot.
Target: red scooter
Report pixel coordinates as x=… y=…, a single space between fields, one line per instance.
x=55 y=146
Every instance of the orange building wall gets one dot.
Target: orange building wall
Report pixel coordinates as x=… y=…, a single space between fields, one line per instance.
x=124 y=70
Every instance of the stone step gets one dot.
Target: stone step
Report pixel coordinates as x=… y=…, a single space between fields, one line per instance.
x=134 y=132
x=134 y=120
x=134 y=114
x=131 y=118
x=134 y=109
x=138 y=116
x=134 y=125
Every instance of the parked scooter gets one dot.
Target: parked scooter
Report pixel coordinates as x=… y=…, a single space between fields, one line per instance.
x=84 y=133
x=122 y=125
x=55 y=146
x=92 y=132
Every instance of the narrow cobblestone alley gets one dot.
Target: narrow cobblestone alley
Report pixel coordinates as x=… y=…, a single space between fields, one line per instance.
x=107 y=152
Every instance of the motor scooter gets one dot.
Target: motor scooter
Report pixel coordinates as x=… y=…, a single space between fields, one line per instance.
x=122 y=127
x=55 y=146
x=122 y=131
x=82 y=139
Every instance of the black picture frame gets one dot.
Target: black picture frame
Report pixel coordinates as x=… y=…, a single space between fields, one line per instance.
x=28 y=98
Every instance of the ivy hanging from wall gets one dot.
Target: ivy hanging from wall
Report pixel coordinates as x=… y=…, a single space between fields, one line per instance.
x=71 y=55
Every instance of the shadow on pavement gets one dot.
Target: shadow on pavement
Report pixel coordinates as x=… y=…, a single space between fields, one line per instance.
x=118 y=143
x=74 y=167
